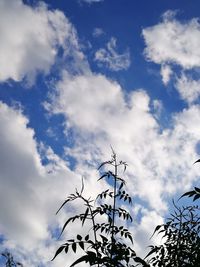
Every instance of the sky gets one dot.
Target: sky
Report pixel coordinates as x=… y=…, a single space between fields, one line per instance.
x=80 y=76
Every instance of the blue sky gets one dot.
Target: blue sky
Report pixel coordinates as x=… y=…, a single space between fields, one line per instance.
x=77 y=76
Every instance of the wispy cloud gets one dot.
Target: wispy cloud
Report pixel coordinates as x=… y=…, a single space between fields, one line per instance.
x=91 y=1
x=110 y=58
x=166 y=73
x=188 y=88
x=98 y=32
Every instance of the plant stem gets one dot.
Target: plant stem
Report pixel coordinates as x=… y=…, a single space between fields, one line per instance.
x=114 y=201
x=93 y=222
x=94 y=231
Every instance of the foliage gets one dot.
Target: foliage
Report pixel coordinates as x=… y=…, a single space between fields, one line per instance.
x=107 y=243
x=181 y=233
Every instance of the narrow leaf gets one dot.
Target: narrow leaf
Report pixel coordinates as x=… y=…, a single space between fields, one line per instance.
x=66 y=249
x=79 y=237
x=81 y=259
x=74 y=247
x=197 y=189
x=58 y=252
x=156 y=229
x=66 y=223
x=125 y=167
x=104 y=175
x=196 y=161
x=87 y=238
x=81 y=244
x=62 y=205
x=190 y=193
x=121 y=185
x=196 y=197
x=130 y=237
x=85 y=215
x=103 y=163
x=154 y=249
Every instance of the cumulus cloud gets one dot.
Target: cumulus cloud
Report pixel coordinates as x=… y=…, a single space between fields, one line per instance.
x=111 y=58
x=159 y=159
x=188 y=88
x=86 y=93
x=31 y=40
x=29 y=193
x=14 y=200
x=172 y=41
x=96 y=110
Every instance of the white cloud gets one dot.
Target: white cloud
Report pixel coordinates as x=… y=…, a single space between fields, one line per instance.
x=86 y=93
x=17 y=205
x=171 y=41
x=165 y=72
x=111 y=58
x=29 y=193
x=31 y=40
x=157 y=108
x=149 y=220
x=160 y=160
x=96 y=110
x=188 y=88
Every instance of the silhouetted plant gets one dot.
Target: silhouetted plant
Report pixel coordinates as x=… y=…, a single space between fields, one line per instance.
x=181 y=232
x=194 y=193
x=106 y=244
x=181 y=247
